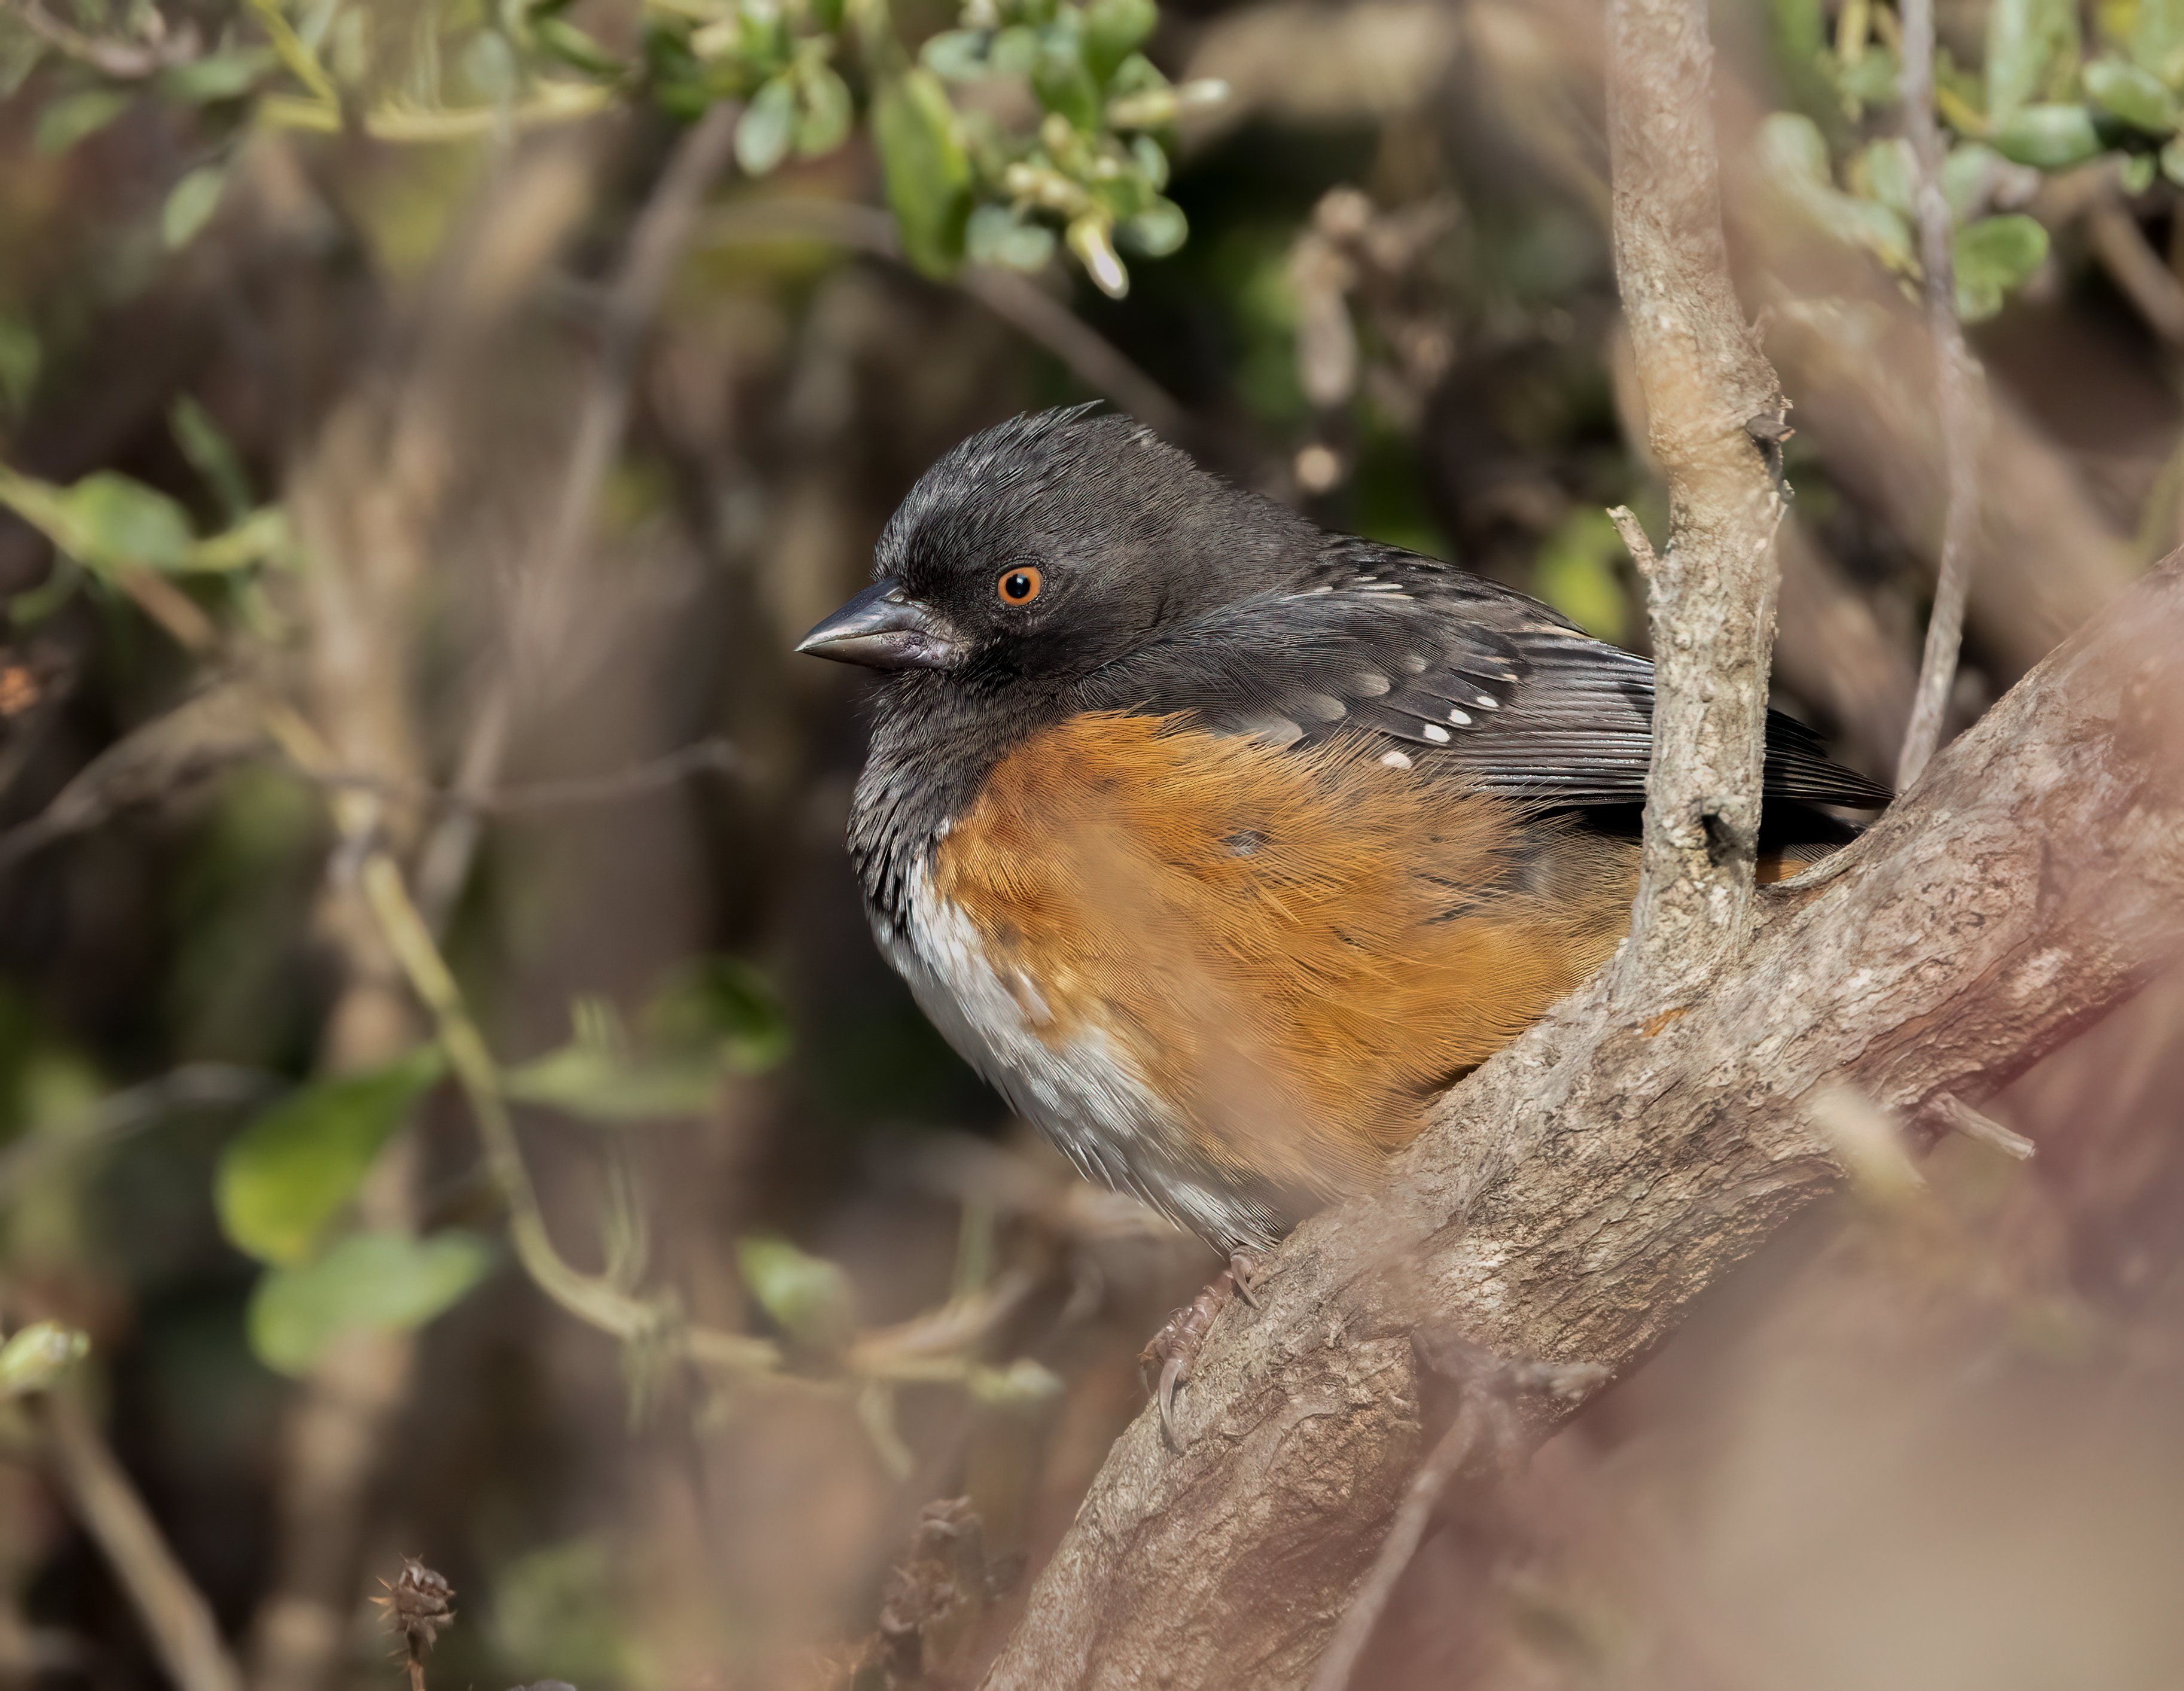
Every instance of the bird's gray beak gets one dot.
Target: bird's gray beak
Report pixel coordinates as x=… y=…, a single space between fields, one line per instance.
x=883 y=628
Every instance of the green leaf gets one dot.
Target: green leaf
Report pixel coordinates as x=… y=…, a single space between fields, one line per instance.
x=716 y=1018
x=1965 y=174
x=191 y=205
x=1153 y=161
x=489 y=67
x=1993 y=257
x=1091 y=237
x=2137 y=97
x=2172 y=162
x=379 y=1281
x=289 y=1173
x=998 y=237
x=2137 y=171
x=2157 y=39
x=75 y=117
x=1112 y=30
x=808 y=1296
x=602 y=1085
x=927 y=172
x=212 y=455
x=572 y=47
x=823 y=124
x=2031 y=49
x=1063 y=82
x=2047 y=138
x=228 y=75
x=118 y=521
x=764 y=131
x=957 y=55
x=1158 y=231
x=34 y=1359
x=1884 y=172
x=104 y=521
x=1875 y=80
x=1015 y=50
x=1794 y=160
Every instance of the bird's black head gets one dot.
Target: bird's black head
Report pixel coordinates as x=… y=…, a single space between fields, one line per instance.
x=1052 y=543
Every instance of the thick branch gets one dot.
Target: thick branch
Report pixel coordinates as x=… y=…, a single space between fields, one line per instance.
x=1575 y=1195
x=1715 y=419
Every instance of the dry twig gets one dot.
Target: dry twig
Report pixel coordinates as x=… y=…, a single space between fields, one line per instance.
x=176 y=1617
x=545 y=602
x=1954 y=379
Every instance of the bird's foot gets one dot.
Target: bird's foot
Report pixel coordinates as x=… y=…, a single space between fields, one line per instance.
x=1176 y=1346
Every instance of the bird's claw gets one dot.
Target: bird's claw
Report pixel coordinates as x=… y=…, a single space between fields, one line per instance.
x=1176 y=1346
x=1244 y=1276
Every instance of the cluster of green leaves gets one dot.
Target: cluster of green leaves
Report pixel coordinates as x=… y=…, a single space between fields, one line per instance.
x=1089 y=159
x=2052 y=94
x=288 y=1183
x=963 y=183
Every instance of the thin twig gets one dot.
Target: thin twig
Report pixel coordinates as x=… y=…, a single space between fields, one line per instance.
x=1016 y=299
x=542 y=614
x=2134 y=266
x=1474 y=1418
x=176 y=1617
x=1958 y=417
x=1974 y=1124
x=710 y=755
x=193 y=1086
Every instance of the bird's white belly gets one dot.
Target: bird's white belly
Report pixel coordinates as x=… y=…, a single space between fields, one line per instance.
x=1083 y=1091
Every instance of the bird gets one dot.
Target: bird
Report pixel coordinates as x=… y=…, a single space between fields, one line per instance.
x=1219 y=843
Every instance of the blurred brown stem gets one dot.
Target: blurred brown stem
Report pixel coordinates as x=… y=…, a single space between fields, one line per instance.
x=176 y=1618
x=2134 y=266
x=544 y=601
x=1957 y=404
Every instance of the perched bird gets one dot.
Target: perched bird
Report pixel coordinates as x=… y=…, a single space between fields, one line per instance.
x=1218 y=843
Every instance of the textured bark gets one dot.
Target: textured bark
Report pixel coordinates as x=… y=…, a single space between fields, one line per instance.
x=1715 y=420
x=1573 y=1195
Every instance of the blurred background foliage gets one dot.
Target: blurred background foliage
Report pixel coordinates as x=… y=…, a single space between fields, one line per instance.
x=448 y=1103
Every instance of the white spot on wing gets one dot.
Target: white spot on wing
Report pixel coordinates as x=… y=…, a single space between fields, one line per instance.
x=1396 y=760
x=1461 y=718
x=1436 y=733
x=1369 y=684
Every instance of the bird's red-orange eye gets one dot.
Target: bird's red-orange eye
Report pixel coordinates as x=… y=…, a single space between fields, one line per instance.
x=1019 y=585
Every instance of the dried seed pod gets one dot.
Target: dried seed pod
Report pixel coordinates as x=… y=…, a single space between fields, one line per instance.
x=418 y=1603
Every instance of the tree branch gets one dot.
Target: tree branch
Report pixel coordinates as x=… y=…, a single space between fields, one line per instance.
x=1570 y=1199
x=1716 y=420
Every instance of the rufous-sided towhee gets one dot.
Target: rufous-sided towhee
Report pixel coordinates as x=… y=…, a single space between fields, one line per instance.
x=1218 y=843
